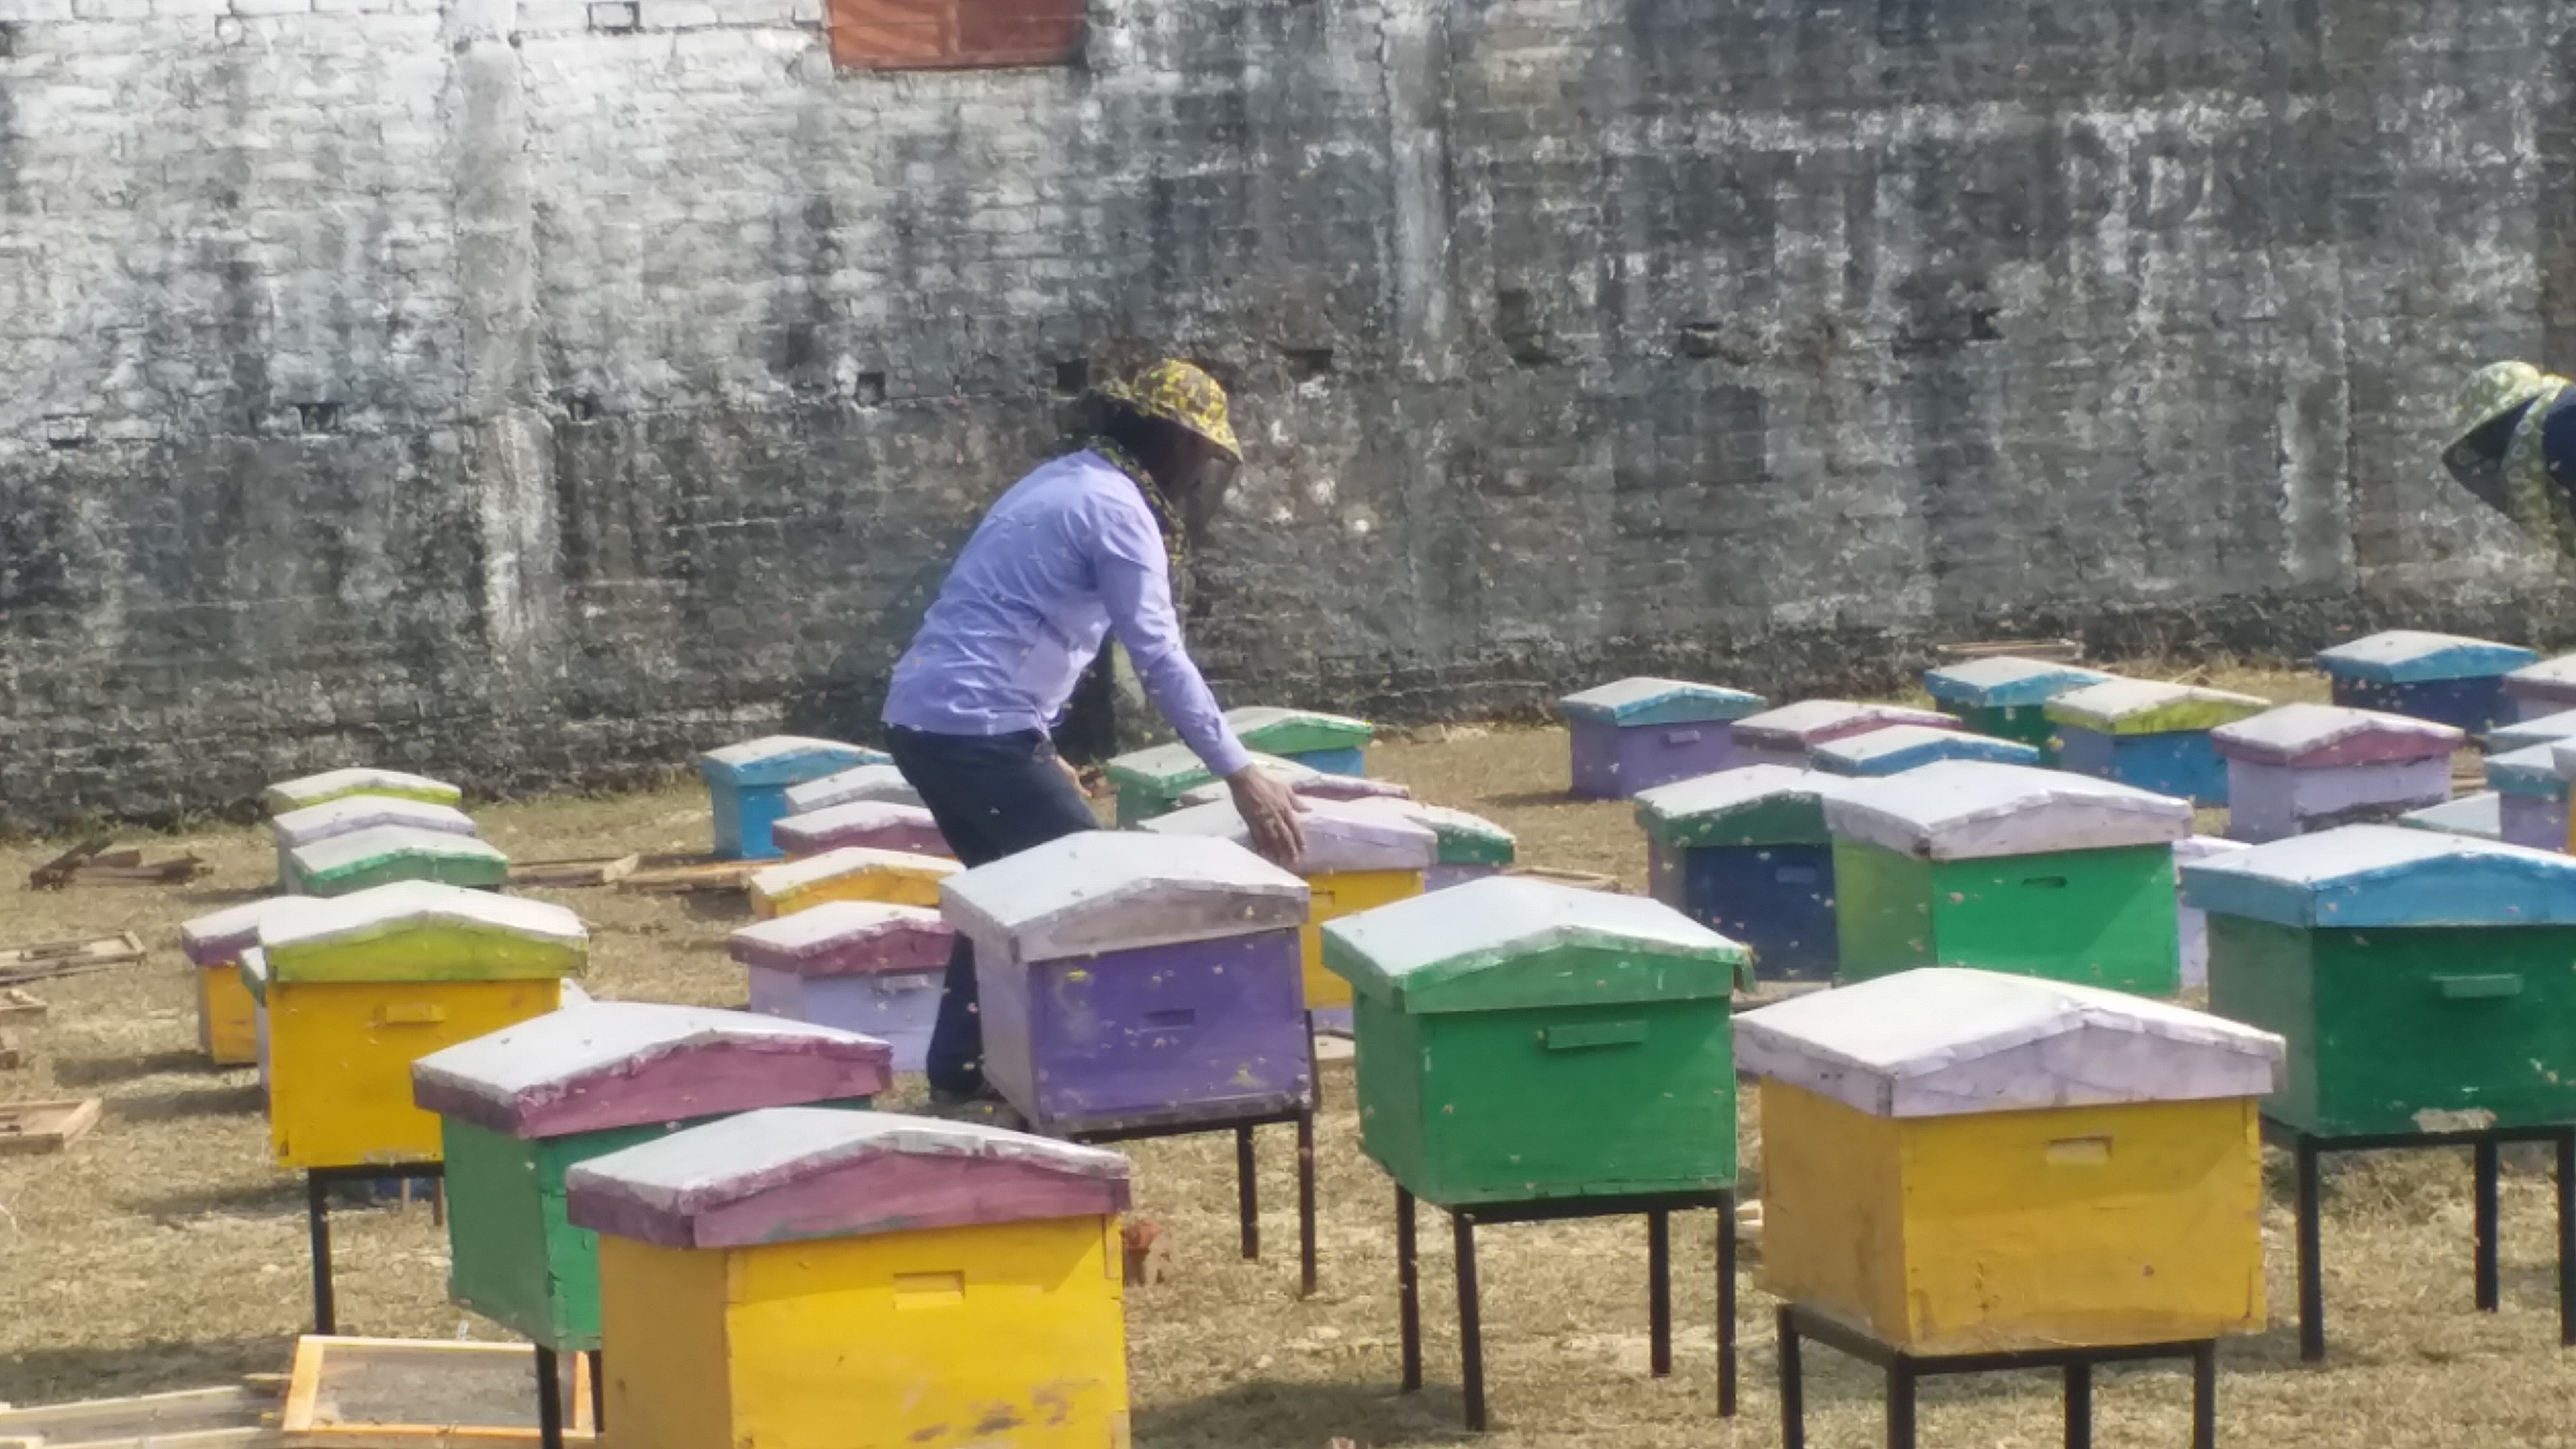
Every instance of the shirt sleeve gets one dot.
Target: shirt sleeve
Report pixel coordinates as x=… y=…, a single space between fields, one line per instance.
x=1135 y=582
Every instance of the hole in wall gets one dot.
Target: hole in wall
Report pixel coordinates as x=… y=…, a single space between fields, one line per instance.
x=1307 y=363
x=868 y=389
x=317 y=417
x=1073 y=378
x=8 y=39
x=580 y=407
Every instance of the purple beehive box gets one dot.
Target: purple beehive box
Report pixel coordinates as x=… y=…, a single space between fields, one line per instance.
x=877 y=824
x=1133 y=980
x=2542 y=689
x=2307 y=767
x=862 y=966
x=1784 y=736
x=1636 y=734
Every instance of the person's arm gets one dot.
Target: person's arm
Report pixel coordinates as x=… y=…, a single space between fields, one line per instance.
x=1135 y=584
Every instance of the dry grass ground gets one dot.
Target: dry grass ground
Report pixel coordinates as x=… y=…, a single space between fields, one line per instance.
x=164 y=1252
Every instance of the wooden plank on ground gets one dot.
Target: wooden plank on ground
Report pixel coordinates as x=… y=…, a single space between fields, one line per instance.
x=34 y=1127
x=230 y=1418
x=2055 y=651
x=12 y=1055
x=1582 y=880
x=178 y=870
x=97 y=951
x=57 y=872
x=20 y=1006
x=597 y=870
x=705 y=875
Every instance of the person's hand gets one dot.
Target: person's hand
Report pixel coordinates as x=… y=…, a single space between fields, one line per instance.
x=1072 y=774
x=1270 y=809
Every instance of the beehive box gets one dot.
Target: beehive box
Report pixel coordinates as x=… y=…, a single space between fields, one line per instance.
x=862 y=966
x=2545 y=729
x=2420 y=978
x=2480 y=816
x=521 y=1107
x=876 y=824
x=2444 y=678
x=876 y=780
x=2033 y=872
x=804 y=1279
x=2150 y=734
x=227 y=1013
x=1960 y=1162
x=1301 y=780
x=2531 y=796
x=2007 y=696
x=352 y=813
x=852 y=873
x=1520 y=1040
x=1898 y=748
x=360 y=987
x=2305 y=767
x=2536 y=691
x=384 y=854
x=339 y=784
x=747 y=785
x=1333 y=743
x=1468 y=847
x=1784 y=736
x=1127 y=979
x=1151 y=782
x=2191 y=924
x=1356 y=860
x=1746 y=854
x=1635 y=734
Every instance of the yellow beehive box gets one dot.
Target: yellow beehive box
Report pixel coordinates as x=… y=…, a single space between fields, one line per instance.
x=227 y=1012
x=803 y=1278
x=1357 y=859
x=851 y=873
x=1960 y=1161
x=360 y=986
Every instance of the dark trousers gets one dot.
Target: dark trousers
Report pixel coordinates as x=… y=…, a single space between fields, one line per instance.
x=993 y=795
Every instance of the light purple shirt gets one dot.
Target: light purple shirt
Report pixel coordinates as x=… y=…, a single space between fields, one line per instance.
x=1071 y=552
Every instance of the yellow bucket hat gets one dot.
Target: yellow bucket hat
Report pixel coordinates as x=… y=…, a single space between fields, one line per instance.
x=1183 y=395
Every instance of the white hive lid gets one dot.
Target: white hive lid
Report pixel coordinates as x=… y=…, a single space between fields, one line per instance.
x=1973 y=810
x=1338 y=837
x=352 y=813
x=1122 y=890
x=863 y=782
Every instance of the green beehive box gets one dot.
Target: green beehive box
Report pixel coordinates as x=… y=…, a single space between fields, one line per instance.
x=1151 y=782
x=2007 y=697
x=2008 y=868
x=520 y=1107
x=2421 y=979
x=1520 y=1040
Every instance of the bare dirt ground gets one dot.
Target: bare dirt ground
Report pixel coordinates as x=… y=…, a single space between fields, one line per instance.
x=163 y=1251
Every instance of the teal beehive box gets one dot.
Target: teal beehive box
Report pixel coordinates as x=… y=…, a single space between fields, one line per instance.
x=519 y=1108
x=2523 y=734
x=2421 y=979
x=2005 y=696
x=1151 y=782
x=1521 y=1040
x=1898 y=748
x=747 y=786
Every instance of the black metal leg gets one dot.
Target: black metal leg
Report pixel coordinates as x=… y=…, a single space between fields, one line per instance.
x=1726 y=1307
x=549 y=1399
x=1408 y=1290
x=2204 y=1396
x=2566 y=1238
x=2079 y=1406
x=438 y=1201
x=317 y=1216
x=598 y=1395
x=1471 y=1333
x=2484 y=1154
x=1659 y=1292
x=1314 y=1065
x=1900 y=1404
x=1793 y=1387
x=2312 y=1290
x=1306 y=1204
x=1247 y=1191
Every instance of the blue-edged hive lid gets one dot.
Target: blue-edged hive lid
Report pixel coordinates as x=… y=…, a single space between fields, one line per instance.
x=2385 y=876
x=2531 y=770
x=1753 y=805
x=783 y=760
x=1972 y=810
x=2523 y=734
x=1899 y=748
x=2411 y=656
x=1811 y=722
x=2479 y=816
x=1648 y=701
x=2005 y=681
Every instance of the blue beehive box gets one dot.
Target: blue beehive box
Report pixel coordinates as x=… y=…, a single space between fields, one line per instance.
x=2539 y=730
x=1332 y=743
x=2531 y=804
x=1635 y=734
x=2479 y=817
x=2150 y=734
x=1746 y=853
x=747 y=784
x=1787 y=735
x=2440 y=677
x=2545 y=688
x=2006 y=696
x=1898 y=748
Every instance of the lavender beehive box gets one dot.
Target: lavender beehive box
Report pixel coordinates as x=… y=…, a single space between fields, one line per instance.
x=1130 y=979
x=1635 y=734
x=2531 y=797
x=2545 y=688
x=1785 y=736
x=866 y=966
x=2444 y=678
x=2307 y=767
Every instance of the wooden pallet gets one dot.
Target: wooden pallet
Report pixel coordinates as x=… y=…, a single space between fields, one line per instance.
x=234 y=1418
x=598 y=870
x=12 y=1054
x=27 y=1128
x=99 y=951
x=2055 y=651
x=349 y=1393
x=20 y=1007
x=697 y=876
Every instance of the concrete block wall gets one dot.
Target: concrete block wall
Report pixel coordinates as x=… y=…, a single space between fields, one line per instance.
x=535 y=391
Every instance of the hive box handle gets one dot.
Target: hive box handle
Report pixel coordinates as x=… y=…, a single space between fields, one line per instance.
x=2479 y=988
x=1681 y=737
x=1594 y=1034
x=411 y=1013
x=2079 y=1151
x=2045 y=882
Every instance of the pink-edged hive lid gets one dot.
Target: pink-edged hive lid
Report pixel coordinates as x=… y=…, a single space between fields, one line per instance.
x=847 y=938
x=880 y=824
x=786 y=1174
x=2318 y=735
x=220 y=938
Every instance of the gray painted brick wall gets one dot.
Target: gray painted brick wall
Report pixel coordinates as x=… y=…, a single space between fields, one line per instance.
x=537 y=392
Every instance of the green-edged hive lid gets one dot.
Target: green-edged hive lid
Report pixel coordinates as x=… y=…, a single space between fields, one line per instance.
x=383 y=854
x=1464 y=839
x=2150 y=707
x=1505 y=943
x=423 y=931
x=1167 y=770
x=1750 y=805
x=1277 y=731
